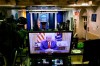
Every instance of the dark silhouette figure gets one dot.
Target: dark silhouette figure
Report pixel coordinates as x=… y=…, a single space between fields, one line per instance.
x=22 y=31
x=8 y=41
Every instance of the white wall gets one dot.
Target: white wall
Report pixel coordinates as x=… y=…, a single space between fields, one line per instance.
x=70 y=15
x=77 y=20
x=21 y=13
x=65 y=16
x=13 y=12
x=94 y=27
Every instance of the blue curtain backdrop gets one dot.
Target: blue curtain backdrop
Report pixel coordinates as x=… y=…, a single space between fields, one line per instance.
x=35 y=18
x=60 y=16
x=28 y=20
x=51 y=20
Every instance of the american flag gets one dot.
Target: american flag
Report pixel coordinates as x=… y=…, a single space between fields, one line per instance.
x=40 y=37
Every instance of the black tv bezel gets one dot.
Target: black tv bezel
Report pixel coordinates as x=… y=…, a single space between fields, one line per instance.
x=45 y=55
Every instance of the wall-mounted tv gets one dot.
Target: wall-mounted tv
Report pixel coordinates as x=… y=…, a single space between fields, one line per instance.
x=50 y=43
x=93 y=17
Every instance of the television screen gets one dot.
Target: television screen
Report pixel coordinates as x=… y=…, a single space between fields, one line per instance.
x=50 y=42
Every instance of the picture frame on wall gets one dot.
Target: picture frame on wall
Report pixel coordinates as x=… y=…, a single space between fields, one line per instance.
x=93 y=17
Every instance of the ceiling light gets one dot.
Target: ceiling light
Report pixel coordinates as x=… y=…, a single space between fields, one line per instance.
x=75 y=4
x=85 y=4
x=67 y=9
x=90 y=2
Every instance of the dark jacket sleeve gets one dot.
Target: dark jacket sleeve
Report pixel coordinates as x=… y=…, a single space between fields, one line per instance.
x=55 y=46
x=42 y=47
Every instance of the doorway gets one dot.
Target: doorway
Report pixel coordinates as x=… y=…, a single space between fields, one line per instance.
x=82 y=29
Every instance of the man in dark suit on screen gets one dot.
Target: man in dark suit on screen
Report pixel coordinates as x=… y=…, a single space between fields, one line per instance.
x=48 y=44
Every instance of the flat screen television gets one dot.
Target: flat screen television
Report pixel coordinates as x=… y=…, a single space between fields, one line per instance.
x=57 y=43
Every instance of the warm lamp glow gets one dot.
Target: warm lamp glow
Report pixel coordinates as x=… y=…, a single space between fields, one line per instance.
x=75 y=4
x=90 y=2
x=85 y=4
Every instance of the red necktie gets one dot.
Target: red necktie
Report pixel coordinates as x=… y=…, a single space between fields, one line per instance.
x=48 y=44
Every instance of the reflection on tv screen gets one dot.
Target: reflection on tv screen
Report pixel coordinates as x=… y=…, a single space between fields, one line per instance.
x=54 y=42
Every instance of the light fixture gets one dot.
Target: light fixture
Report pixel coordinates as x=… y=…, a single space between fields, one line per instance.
x=1 y=20
x=90 y=2
x=85 y=4
x=75 y=4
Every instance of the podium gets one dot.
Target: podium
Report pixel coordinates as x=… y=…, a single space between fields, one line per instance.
x=43 y=25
